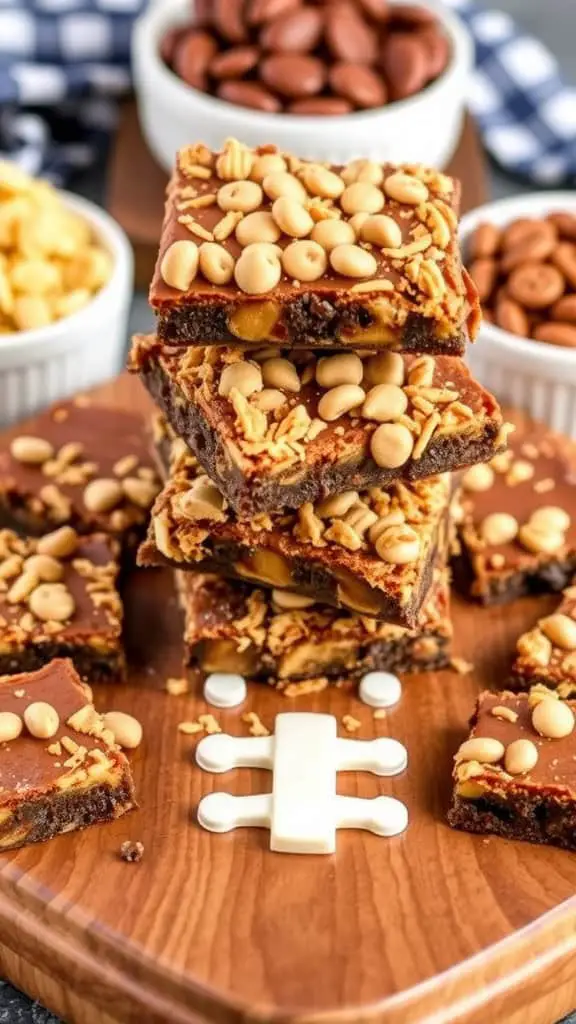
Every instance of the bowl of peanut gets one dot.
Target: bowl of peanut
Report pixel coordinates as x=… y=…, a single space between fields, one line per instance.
x=521 y=253
x=66 y=275
x=384 y=79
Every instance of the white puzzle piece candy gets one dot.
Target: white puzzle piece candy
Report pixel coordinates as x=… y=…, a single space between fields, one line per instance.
x=303 y=810
x=224 y=689
x=380 y=689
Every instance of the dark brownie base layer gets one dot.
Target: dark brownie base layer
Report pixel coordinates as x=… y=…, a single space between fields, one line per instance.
x=310 y=580
x=92 y=666
x=536 y=819
x=252 y=496
x=552 y=576
x=306 y=321
x=49 y=816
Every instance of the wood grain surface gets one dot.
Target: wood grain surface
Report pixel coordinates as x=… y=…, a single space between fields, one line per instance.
x=136 y=186
x=434 y=925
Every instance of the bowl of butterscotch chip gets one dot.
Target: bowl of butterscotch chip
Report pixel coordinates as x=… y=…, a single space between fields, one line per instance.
x=521 y=254
x=327 y=80
x=65 y=290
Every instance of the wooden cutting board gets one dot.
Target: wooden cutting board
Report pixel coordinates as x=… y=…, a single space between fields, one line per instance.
x=136 y=185
x=433 y=925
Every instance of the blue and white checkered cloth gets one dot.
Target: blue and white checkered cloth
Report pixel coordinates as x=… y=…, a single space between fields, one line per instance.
x=65 y=63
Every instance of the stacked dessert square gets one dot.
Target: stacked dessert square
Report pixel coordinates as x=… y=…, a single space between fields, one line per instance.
x=306 y=362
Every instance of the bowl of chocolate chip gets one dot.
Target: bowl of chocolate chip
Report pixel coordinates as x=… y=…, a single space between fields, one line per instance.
x=329 y=80
x=521 y=254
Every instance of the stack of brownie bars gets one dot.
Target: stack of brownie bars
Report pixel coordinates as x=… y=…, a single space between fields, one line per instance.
x=306 y=362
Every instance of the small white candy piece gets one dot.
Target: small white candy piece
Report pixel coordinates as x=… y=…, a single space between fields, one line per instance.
x=380 y=689
x=225 y=690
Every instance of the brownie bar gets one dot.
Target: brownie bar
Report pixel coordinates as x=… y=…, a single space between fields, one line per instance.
x=80 y=464
x=372 y=552
x=519 y=790
x=72 y=777
x=283 y=639
x=271 y=436
x=516 y=531
x=365 y=254
x=58 y=599
x=546 y=654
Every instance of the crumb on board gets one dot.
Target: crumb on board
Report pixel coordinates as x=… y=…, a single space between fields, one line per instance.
x=132 y=852
x=461 y=666
x=256 y=726
x=190 y=728
x=505 y=713
x=204 y=723
x=380 y=713
x=176 y=687
x=305 y=686
x=350 y=723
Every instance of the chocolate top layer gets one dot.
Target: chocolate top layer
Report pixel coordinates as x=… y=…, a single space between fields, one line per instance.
x=27 y=768
x=86 y=443
x=416 y=270
x=538 y=472
x=436 y=397
x=88 y=575
x=555 y=769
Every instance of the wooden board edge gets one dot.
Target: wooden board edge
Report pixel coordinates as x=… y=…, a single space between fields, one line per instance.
x=537 y=963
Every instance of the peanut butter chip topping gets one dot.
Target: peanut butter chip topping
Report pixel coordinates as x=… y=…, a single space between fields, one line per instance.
x=389 y=227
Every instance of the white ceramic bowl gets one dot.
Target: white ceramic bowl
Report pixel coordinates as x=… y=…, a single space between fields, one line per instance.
x=422 y=129
x=530 y=375
x=40 y=366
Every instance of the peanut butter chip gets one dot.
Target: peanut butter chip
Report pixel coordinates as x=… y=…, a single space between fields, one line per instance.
x=521 y=756
x=398 y=545
x=216 y=263
x=540 y=541
x=391 y=445
x=404 y=188
x=483 y=749
x=478 y=478
x=337 y=505
x=103 y=495
x=280 y=373
x=139 y=492
x=382 y=231
x=10 y=726
x=126 y=730
x=330 y=233
x=31 y=450
x=498 y=528
x=257 y=227
x=202 y=501
x=304 y=260
x=46 y=568
x=292 y=218
x=552 y=518
x=384 y=368
x=561 y=630
x=258 y=270
x=243 y=196
x=384 y=403
x=361 y=197
x=553 y=718
x=41 y=720
x=60 y=543
x=179 y=264
x=52 y=602
x=344 y=368
x=246 y=377
x=339 y=400
x=353 y=261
